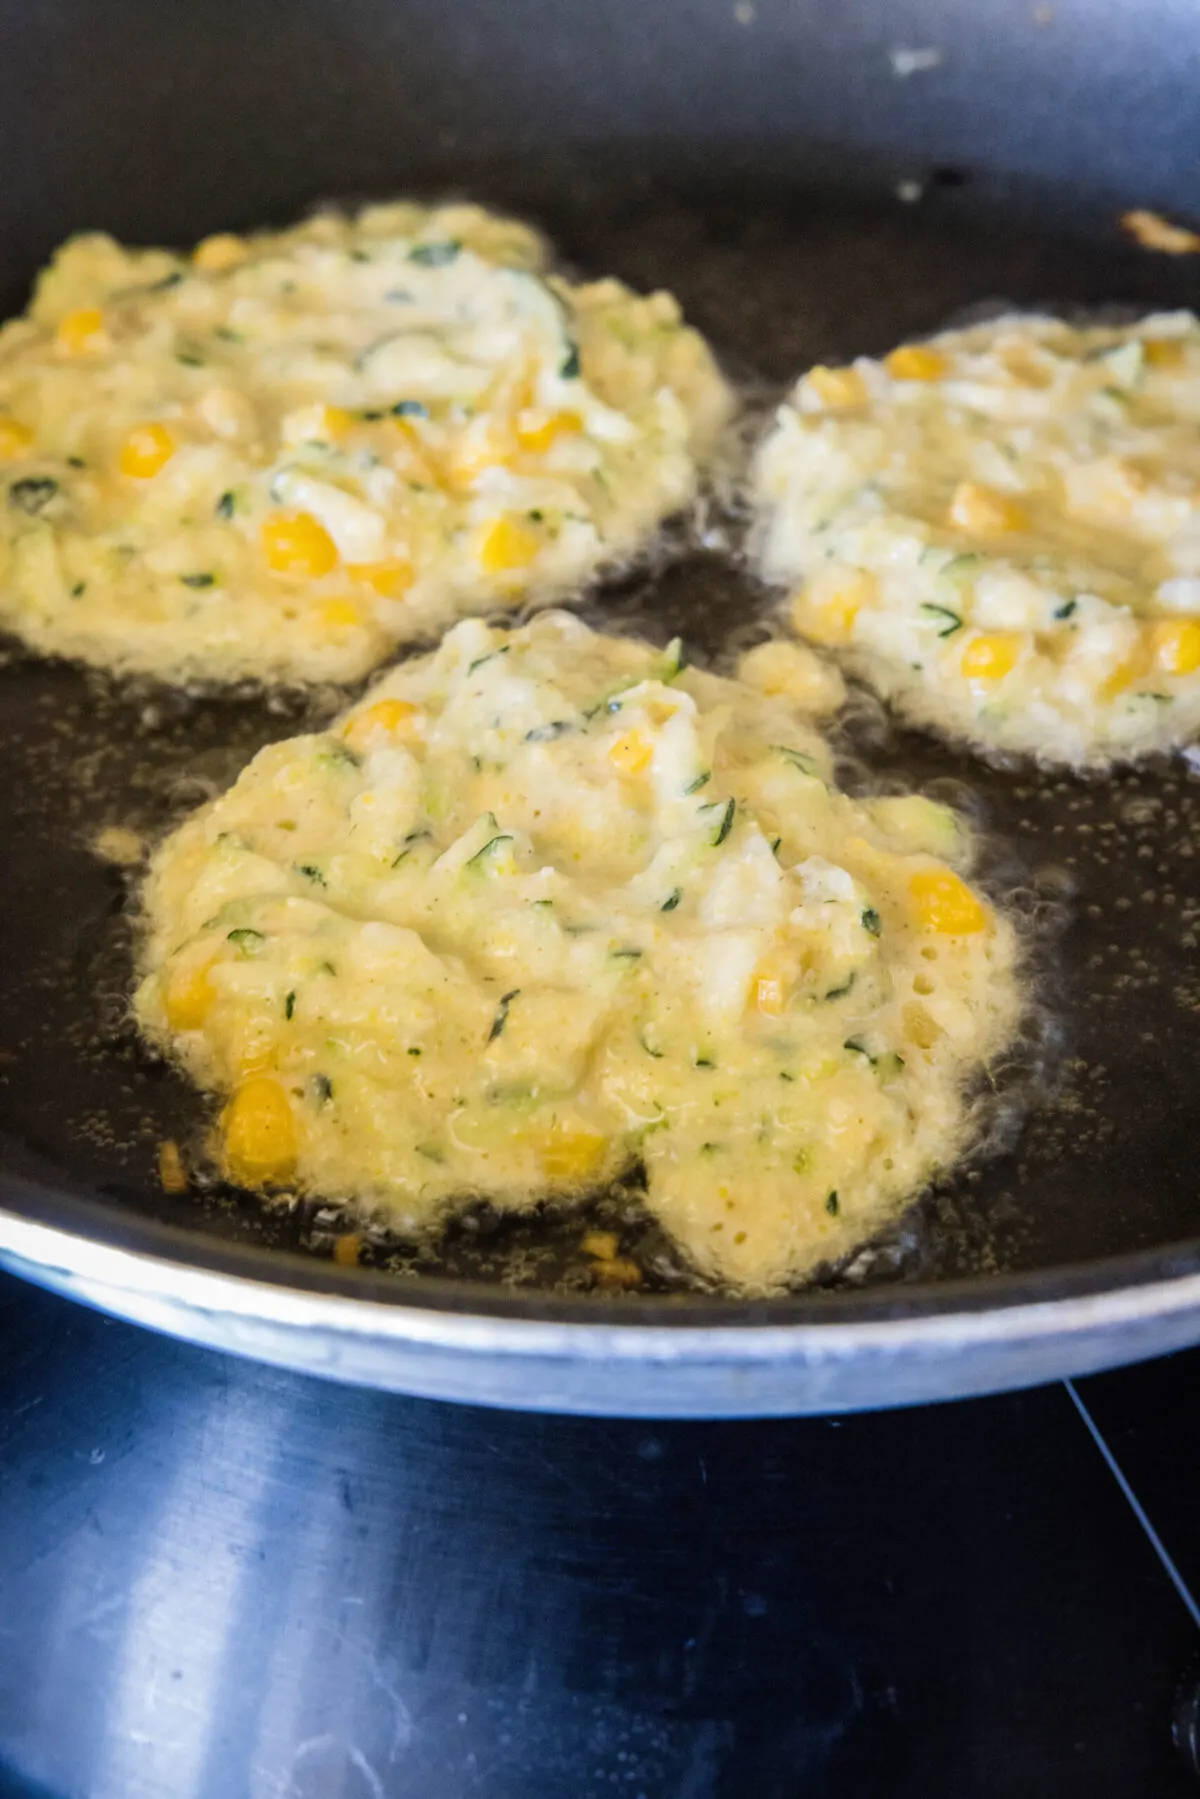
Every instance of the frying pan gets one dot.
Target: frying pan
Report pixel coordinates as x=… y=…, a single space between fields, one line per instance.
x=813 y=182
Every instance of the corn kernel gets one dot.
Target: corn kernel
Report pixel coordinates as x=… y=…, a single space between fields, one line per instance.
x=15 y=439
x=602 y=1244
x=536 y=432
x=187 y=994
x=259 y=1133
x=386 y=718
x=347 y=1248
x=1125 y=674
x=294 y=543
x=146 y=450
x=769 y=993
x=215 y=255
x=172 y=1175
x=1175 y=645
x=826 y=610
x=914 y=362
x=837 y=389
x=1163 y=352
x=341 y=615
x=618 y=1271
x=388 y=579
x=573 y=1155
x=506 y=545
x=81 y=331
x=631 y=754
x=984 y=512
x=992 y=656
x=944 y=902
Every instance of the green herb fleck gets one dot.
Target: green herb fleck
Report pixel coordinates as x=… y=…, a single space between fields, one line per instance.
x=672 y=900
x=76 y=462
x=79 y=588
x=480 y=660
x=248 y=942
x=289 y=1006
x=871 y=921
x=570 y=367
x=698 y=783
x=322 y=1088
x=435 y=256
x=948 y=622
x=649 y=1047
x=831 y=1203
x=859 y=1048
x=961 y=565
x=501 y=1018
x=33 y=494
x=626 y=955
x=189 y=359
x=704 y=1062
x=839 y=992
x=1067 y=609
x=547 y=733
x=500 y=837
x=410 y=409
x=199 y=580
x=226 y=505
x=312 y=872
x=414 y=1051
x=726 y=824
x=336 y=751
x=807 y=765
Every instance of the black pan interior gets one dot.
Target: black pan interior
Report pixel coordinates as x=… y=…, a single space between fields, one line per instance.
x=1094 y=1133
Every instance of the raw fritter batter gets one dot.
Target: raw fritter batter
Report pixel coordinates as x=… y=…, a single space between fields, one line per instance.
x=547 y=903
x=1000 y=530
x=284 y=454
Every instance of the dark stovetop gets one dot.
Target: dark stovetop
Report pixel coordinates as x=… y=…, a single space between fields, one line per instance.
x=218 y=1581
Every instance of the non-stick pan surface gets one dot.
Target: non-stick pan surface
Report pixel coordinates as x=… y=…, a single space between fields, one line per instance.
x=1074 y=1240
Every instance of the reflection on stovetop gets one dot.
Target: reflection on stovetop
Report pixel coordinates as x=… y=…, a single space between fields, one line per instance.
x=218 y=1581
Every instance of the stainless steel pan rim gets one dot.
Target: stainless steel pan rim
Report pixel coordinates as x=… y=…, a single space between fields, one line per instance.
x=898 y=1349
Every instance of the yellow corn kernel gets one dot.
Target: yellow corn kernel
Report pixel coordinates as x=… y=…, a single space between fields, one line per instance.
x=347 y=1249
x=915 y=362
x=984 y=512
x=837 y=389
x=386 y=718
x=943 y=902
x=1175 y=645
x=81 y=331
x=15 y=439
x=631 y=754
x=214 y=255
x=388 y=579
x=573 y=1155
x=1163 y=352
x=1123 y=676
x=618 y=1271
x=187 y=994
x=769 y=992
x=172 y=1175
x=505 y=545
x=992 y=656
x=602 y=1244
x=146 y=450
x=259 y=1133
x=340 y=615
x=294 y=543
x=826 y=610
x=333 y=423
x=537 y=431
